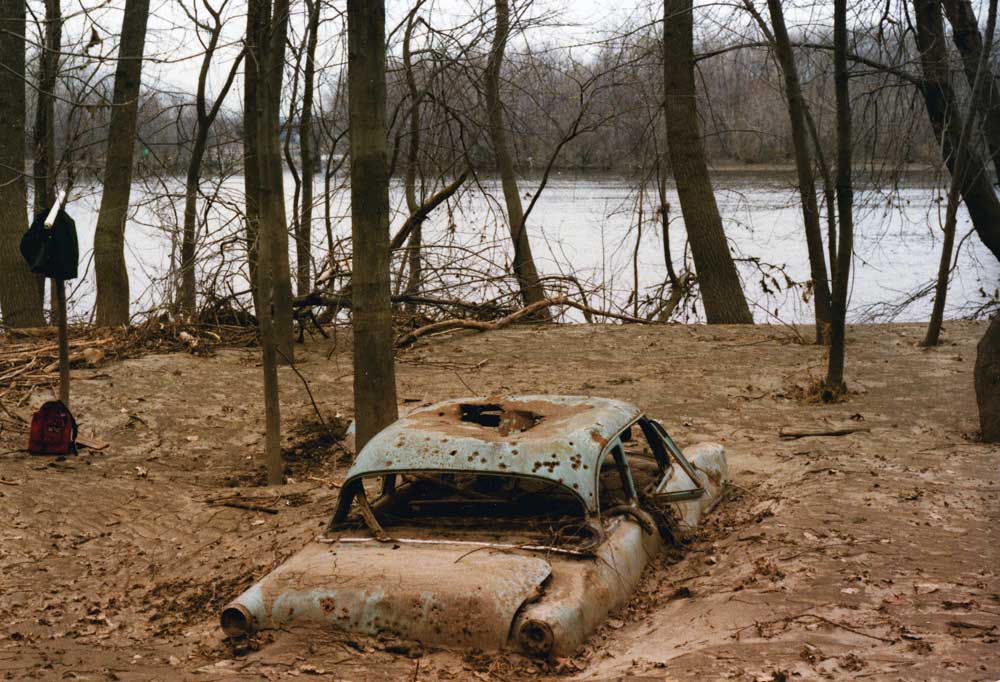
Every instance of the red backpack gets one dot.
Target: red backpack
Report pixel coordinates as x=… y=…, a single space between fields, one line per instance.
x=53 y=430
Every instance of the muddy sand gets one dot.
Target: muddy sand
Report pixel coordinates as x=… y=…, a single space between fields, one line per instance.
x=869 y=555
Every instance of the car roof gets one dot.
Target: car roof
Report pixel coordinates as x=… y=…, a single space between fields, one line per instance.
x=557 y=438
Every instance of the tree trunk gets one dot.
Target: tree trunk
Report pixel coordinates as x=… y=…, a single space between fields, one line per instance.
x=525 y=271
x=979 y=84
x=374 y=369
x=256 y=23
x=413 y=245
x=303 y=240
x=204 y=118
x=845 y=203
x=804 y=169
x=720 y=286
x=109 y=235
x=20 y=300
x=44 y=134
x=966 y=36
x=270 y=62
x=942 y=110
x=987 y=375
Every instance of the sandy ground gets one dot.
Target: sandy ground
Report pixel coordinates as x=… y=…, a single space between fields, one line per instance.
x=872 y=555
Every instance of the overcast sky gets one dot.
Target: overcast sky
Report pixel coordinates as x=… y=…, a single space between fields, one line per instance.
x=174 y=53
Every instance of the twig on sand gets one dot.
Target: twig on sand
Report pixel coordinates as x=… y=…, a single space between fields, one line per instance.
x=247 y=506
x=791 y=619
x=784 y=434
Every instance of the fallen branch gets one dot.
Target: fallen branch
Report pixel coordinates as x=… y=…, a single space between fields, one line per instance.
x=794 y=435
x=247 y=507
x=420 y=215
x=478 y=325
x=527 y=311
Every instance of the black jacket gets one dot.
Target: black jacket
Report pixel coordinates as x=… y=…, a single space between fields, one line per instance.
x=52 y=252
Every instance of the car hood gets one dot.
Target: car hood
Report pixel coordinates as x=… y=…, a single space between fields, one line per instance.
x=426 y=593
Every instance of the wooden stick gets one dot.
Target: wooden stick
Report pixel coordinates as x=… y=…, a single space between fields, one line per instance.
x=793 y=435
x=60 y=289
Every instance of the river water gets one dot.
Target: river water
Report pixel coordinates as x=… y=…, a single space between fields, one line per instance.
x=585 y=225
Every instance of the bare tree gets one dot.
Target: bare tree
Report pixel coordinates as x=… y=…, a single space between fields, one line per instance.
x=966 y=36
x=946 y=120
x=109 y=235
x=524 y=268
x=204 y=118
x=979 y=85
x=45 y=124
x=267 y=54
x=303 y=238
x=797 y=115
x=20 y=299
x=845 y=204
x=266 y=28
x=374 y=366
x=718 y=280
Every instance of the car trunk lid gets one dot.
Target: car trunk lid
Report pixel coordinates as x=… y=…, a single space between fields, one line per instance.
x=420 y=592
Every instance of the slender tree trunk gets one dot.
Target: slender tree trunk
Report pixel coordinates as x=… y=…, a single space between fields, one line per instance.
x=256 y=23
x=204 y=118
x=374 y=368
x=943 y=112
x=109 y=235
x=720 y=286
x=804 y=169
x=271 y=197
x=531 y=287
x=20 y=300
x=261 y=24
x=966 y=36
x=664 y=213
x=44 y=134
x=413 y=245
x=303 y=240
x=845 y=203
x=979 y=84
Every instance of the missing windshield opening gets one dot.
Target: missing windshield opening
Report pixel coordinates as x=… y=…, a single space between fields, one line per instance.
x=495 y=416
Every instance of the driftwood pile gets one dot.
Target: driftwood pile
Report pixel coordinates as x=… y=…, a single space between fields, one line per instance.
x=29 y=358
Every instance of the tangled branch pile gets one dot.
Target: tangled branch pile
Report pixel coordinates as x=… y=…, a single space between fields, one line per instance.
x=29 y=358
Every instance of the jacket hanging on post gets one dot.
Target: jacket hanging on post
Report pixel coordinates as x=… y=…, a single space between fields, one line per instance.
x=52 y=252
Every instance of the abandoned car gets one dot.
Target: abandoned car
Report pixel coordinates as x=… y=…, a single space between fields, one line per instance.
x=512 y=523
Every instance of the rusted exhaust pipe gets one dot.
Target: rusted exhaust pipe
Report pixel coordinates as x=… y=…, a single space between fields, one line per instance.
x=236 y=620
x=536 y=638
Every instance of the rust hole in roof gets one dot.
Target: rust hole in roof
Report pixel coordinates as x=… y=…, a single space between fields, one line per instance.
x=494 y=416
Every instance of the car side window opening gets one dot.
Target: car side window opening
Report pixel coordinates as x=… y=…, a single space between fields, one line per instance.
x=615 y=484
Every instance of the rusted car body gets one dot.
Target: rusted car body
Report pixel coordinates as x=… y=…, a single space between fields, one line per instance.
x=493 y=523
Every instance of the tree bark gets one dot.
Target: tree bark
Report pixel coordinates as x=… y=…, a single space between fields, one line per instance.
x=270 y=62
x=525 y=271
x=374 y=369
x=44 y=133
x=109 y=235
x=412 y=167
x=845 y=203
x=720 y=286
x=804 y=169
x=987 y=377
x=20 y=300
x=942 y=110
x=979 y=84
x=303 y=240
x=256 y=22
x=965 y=34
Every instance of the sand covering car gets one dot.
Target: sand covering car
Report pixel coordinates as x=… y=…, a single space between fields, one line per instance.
x=493 y=523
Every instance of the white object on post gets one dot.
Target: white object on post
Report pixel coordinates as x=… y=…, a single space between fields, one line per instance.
x=50 y=219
